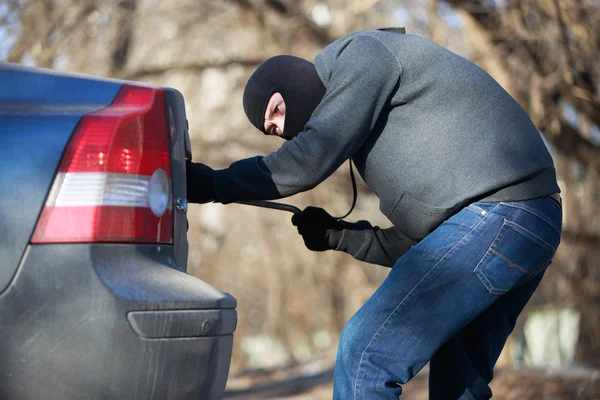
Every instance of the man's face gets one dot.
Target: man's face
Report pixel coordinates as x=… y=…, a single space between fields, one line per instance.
x=275 y=115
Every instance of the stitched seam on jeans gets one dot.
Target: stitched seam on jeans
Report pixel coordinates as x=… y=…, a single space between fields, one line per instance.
x=385 y=323
x=487 y=284
x=540 y=269
x=478 y=210
x=484 y=279
x=531 y=236
x=554 y=202
x=534 y=212
x=478 y=268
x=510 y=263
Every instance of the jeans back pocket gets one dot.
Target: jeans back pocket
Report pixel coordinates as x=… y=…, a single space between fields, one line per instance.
x=515 y=255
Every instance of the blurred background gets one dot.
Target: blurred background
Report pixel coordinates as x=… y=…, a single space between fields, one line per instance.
x=294 y=303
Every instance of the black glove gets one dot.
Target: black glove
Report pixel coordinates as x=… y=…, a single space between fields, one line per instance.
x=319 y=230
x=200 y=188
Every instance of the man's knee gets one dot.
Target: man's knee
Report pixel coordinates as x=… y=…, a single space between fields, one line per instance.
x=351 y=343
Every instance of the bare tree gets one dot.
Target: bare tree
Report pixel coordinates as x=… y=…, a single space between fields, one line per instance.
x=545 y=52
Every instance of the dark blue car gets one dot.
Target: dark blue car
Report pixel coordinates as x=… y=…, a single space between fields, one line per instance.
x=95 y=301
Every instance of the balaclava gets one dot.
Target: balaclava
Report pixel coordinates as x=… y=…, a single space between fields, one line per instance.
x=297 y=81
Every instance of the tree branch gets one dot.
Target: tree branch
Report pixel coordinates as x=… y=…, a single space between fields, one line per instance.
x=570 y=143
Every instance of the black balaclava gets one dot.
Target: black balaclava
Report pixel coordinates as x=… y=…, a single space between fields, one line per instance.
x=297 y=81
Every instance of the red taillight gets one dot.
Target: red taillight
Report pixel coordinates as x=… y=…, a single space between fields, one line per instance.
x=114 y=180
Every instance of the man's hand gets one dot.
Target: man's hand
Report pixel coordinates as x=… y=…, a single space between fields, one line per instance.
x=200 y=187
x=319 y=230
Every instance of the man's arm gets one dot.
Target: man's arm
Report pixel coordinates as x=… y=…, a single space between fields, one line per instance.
x=374 y=245
x=363 y=77
x=320 y=231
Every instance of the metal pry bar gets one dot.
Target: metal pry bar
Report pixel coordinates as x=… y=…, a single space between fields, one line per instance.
x=273 y=205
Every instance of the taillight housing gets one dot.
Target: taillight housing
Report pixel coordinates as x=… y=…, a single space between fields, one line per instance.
x=114 y=180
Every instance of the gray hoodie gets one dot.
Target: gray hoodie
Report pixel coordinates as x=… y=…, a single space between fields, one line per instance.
x=429 y=132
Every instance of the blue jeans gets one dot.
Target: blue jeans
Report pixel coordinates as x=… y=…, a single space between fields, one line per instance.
x=453 y=299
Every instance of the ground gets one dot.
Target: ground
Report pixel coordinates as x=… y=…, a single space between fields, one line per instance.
x=509 y=384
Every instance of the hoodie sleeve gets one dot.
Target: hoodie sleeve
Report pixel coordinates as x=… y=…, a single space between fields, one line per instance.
x=373 y=244
x=363 y=76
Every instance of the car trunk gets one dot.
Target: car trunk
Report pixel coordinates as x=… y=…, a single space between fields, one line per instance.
x=85 y=319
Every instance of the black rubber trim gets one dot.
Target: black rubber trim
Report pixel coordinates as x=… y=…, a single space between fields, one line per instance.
x=182 y=323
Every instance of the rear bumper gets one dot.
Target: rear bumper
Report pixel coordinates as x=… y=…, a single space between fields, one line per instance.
x=112 y=321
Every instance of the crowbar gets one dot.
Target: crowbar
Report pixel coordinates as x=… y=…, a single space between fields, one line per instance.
x=272 y=205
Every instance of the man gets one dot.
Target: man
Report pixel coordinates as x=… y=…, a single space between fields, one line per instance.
x=460 y=171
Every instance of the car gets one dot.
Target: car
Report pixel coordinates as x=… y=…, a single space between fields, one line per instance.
x=95 y=300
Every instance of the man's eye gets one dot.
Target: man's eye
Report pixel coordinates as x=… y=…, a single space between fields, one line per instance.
x=278 y=108
x=276 y=130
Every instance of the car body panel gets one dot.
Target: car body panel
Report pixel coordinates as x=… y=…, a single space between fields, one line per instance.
x=96 y=320
x=38 y=114
x=68 y=297
x=179 y=147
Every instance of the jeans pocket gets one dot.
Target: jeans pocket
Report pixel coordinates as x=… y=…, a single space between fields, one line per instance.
x=515 y=255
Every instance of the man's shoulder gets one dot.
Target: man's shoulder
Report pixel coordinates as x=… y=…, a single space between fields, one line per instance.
x=397 y=32
x=371 y=43
x=394 y=38
x=389 y=33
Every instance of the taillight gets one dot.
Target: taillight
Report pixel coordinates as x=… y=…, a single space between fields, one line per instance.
x=114 y=180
